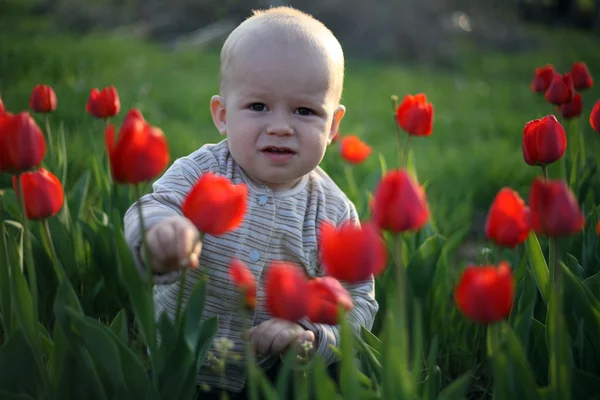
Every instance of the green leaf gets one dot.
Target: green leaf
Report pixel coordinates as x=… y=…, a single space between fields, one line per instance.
x=119 y=326
x=585 y=385
x=433 y=383
x=6 y=395
x=521 y=317
x=573 y=264
x=207 y=332
x=5 y=290
x=194 y=311
x=285 y=373
x=348 y=372
x=457 y=389
x=101 y=347
x=593 y=285
x=371 y=339
x=78 y=195
x=324 y=385
x=18 y=372
x=421 y=267
x=538 y=265
x=561 y=362
x=580 y=302
x=139 y=290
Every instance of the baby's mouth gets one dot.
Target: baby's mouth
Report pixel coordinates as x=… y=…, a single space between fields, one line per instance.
x=278 y=150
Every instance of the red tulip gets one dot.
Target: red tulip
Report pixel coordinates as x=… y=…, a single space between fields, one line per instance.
x=325 y=295
x=554 y=209
x=243 y=278
x=542 y=78
x=103 y=104
x=572 y=109
x=415 y=115
x=508 y=221
x=581 y=76
x=595 y=117
x=544 y=141
x=485 y=294
x=287 y=289
x=352 y=253
x=141 y=151
x=23 y=145
x=400 y=203
x=354 y=150
x=43 y=193
x=215 y=205
x=561 y=89
x=43 y=99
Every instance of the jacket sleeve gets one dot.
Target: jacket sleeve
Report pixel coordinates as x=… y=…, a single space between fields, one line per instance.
x=165 y=200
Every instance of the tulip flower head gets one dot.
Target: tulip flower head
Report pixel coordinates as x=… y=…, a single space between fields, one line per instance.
x=325 y=295
x=22 y=143
x=542 y=78
x=415 y=115
x=140 y=153
x=43 y=193
x=508 y=221
x=554 y=209
x=400 y=203
x=243 y=278
x=573 y=109
x=544 y=141
x=104 y=103
x=352 y=253
x=215 y=205
x=561 y=89
x=582 y=79
x=354 y=150
x=485 y=294
x=43 y=99
x=287 y=289
x=595 y=117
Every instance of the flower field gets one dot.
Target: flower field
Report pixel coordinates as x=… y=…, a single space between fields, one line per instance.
x=437 y=163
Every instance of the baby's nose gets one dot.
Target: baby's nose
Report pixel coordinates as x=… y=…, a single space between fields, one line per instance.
x=280 y=125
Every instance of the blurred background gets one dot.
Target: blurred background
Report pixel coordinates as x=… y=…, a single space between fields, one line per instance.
x=474 y=59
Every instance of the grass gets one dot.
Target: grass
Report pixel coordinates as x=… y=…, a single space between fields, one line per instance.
x=481 y=105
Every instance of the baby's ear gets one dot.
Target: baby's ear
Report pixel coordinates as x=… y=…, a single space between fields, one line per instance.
x=338 y=114
x=219 y=114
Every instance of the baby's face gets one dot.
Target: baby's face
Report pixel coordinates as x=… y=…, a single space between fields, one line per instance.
x=278 y=113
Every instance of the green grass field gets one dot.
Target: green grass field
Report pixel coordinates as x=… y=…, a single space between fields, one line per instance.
x=481 y=106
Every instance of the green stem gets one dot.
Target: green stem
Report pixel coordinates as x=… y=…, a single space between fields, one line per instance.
x=151 y=341
x=35 y=335
x=552 y=258
x=398 y=131
x=405 y=151
x=28 y=251
x=351 y=182
x=5 y=286
x=145 y=252
x=60 y=272
x=49 y=133
x=180 y=295
x=544 y=170
x=400 y=276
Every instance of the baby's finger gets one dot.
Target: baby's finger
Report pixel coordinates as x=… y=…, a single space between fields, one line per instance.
x=194 y=259
x=186 y=238
x=283 y=339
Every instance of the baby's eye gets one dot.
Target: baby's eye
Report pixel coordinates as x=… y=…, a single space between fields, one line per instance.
x=258 y=107
x=304 y=111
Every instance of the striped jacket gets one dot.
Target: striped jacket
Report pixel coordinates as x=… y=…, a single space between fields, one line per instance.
x=278 y=226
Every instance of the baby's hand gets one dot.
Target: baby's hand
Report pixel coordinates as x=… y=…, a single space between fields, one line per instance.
x=274 y=336
x=173 y=244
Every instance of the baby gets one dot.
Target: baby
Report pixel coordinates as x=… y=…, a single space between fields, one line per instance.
x=281 y=81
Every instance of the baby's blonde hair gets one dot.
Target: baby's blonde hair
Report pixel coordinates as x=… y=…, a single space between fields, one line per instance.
x=289 y=22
